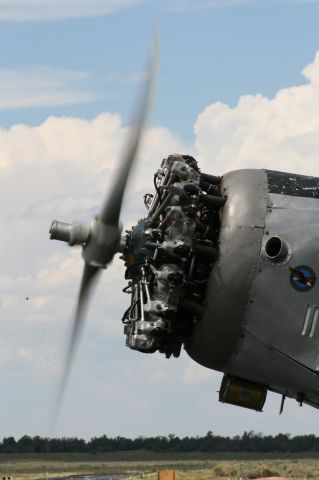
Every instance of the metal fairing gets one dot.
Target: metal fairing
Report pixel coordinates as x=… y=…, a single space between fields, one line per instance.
x=256 y=325
x=228 y=289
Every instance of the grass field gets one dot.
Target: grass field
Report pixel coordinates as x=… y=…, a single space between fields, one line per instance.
x=188 y=466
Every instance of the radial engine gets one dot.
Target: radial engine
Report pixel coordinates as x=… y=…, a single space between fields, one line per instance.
x=169 y=255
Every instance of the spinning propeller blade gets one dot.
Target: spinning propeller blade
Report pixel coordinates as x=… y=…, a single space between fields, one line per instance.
x=102 y=241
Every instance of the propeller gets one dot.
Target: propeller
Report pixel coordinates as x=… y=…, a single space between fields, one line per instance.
x=102 y=239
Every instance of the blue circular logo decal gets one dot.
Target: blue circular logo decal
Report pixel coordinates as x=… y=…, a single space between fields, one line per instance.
x=302 y=278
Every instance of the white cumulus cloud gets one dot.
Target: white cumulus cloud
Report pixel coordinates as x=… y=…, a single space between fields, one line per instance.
x=279 y=133
x=62 y=169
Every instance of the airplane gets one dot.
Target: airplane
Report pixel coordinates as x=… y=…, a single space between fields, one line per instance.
x=223 y=266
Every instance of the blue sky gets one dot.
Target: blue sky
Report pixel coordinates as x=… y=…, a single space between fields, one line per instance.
x=230 y=90
x=219 y=53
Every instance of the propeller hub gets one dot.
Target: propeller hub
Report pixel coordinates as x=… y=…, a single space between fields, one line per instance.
x=72 y=233
x=102 y=245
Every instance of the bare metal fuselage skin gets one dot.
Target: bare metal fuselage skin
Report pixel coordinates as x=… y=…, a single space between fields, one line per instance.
x=257 y=324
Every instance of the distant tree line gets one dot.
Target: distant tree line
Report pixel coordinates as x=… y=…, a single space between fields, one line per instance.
x=248 y=442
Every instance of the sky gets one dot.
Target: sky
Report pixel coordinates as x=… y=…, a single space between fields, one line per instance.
x=238 y=87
